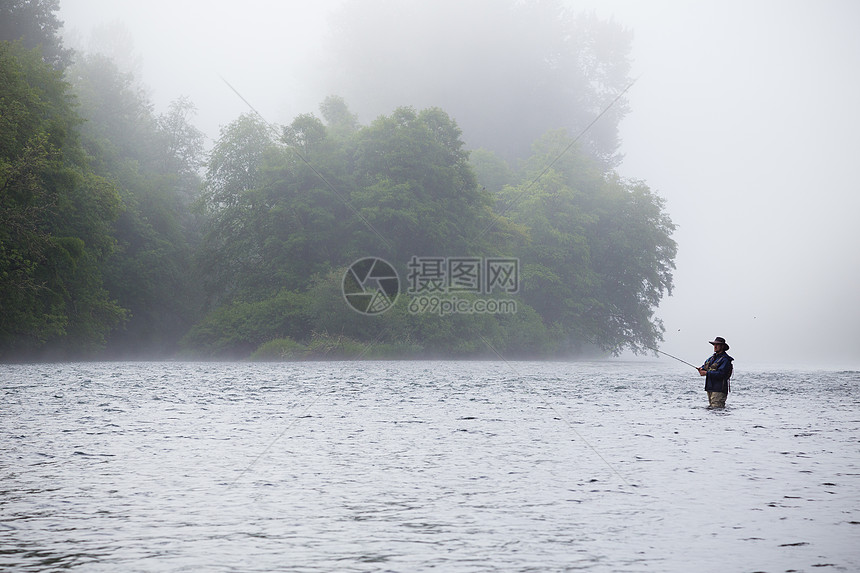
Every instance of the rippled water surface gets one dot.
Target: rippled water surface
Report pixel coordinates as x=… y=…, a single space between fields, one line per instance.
x=418 y=466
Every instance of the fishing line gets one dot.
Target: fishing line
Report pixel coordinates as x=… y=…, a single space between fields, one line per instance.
x=346 y=202
x=520 y=195
x=553 y=408
x=278 y=437
x=292 y=423
x=670 y=356
x=628 y=340
x=367 y=223
x=344 y=199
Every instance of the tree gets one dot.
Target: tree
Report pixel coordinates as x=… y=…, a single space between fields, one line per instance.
x=415 y=188
x=491 y=170
x=181 y=146
x=598 y=255
x=286 y=217
x=276 y=210
x=120 y=119
x=35 y=24
x=154 y=161
x=231 y=247
x=304 y=134
x=341 y=122
x=55 y=216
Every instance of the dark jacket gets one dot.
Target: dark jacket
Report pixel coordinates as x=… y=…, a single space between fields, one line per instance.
x=719 y=367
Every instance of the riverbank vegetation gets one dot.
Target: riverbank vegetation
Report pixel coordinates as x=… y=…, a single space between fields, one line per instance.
x=122 y=236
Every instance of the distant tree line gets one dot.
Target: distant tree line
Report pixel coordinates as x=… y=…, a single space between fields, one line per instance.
x=121 y=236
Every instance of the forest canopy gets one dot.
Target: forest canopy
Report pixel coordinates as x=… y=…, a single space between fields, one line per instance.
x=120 y=235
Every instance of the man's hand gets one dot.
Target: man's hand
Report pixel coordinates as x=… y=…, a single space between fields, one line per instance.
x=702 y=371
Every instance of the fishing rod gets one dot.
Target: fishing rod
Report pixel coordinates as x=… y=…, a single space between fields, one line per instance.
x=649 y=348
x=670 y=356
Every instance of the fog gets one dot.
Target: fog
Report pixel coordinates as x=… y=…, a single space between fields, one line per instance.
x=744 y=118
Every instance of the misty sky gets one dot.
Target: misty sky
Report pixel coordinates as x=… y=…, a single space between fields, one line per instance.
x=745 y=117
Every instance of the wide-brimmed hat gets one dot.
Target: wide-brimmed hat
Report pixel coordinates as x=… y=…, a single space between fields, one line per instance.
x=720 y=340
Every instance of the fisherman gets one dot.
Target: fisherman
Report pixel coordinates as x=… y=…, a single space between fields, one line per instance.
x=718 y=370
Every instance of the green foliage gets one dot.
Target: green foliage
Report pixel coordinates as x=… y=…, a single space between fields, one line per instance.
x=279 y=349
x=181 y=151
x=599 y=254
x=491 y=170
x=326 y=347
x=323 y=346
x=595 y=250
x=415 y=186
x=271 y=222
x=305 y=134
x=35 y=24
x=238 y=328
x=340 y=121
x=55 y=217
x=154 y=162
x=105 y=220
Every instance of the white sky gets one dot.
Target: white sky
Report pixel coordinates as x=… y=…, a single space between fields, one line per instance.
x=746 y=118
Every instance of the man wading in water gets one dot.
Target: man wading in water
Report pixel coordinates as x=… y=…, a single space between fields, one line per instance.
x=718 y=369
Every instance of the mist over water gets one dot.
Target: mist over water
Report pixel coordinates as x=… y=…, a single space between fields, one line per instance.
x=393 y=466
x=743 y=117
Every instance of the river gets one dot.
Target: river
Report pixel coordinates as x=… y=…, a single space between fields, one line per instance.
x=419 y=466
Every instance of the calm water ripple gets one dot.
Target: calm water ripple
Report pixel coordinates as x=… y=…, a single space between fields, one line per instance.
x=417 y=466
